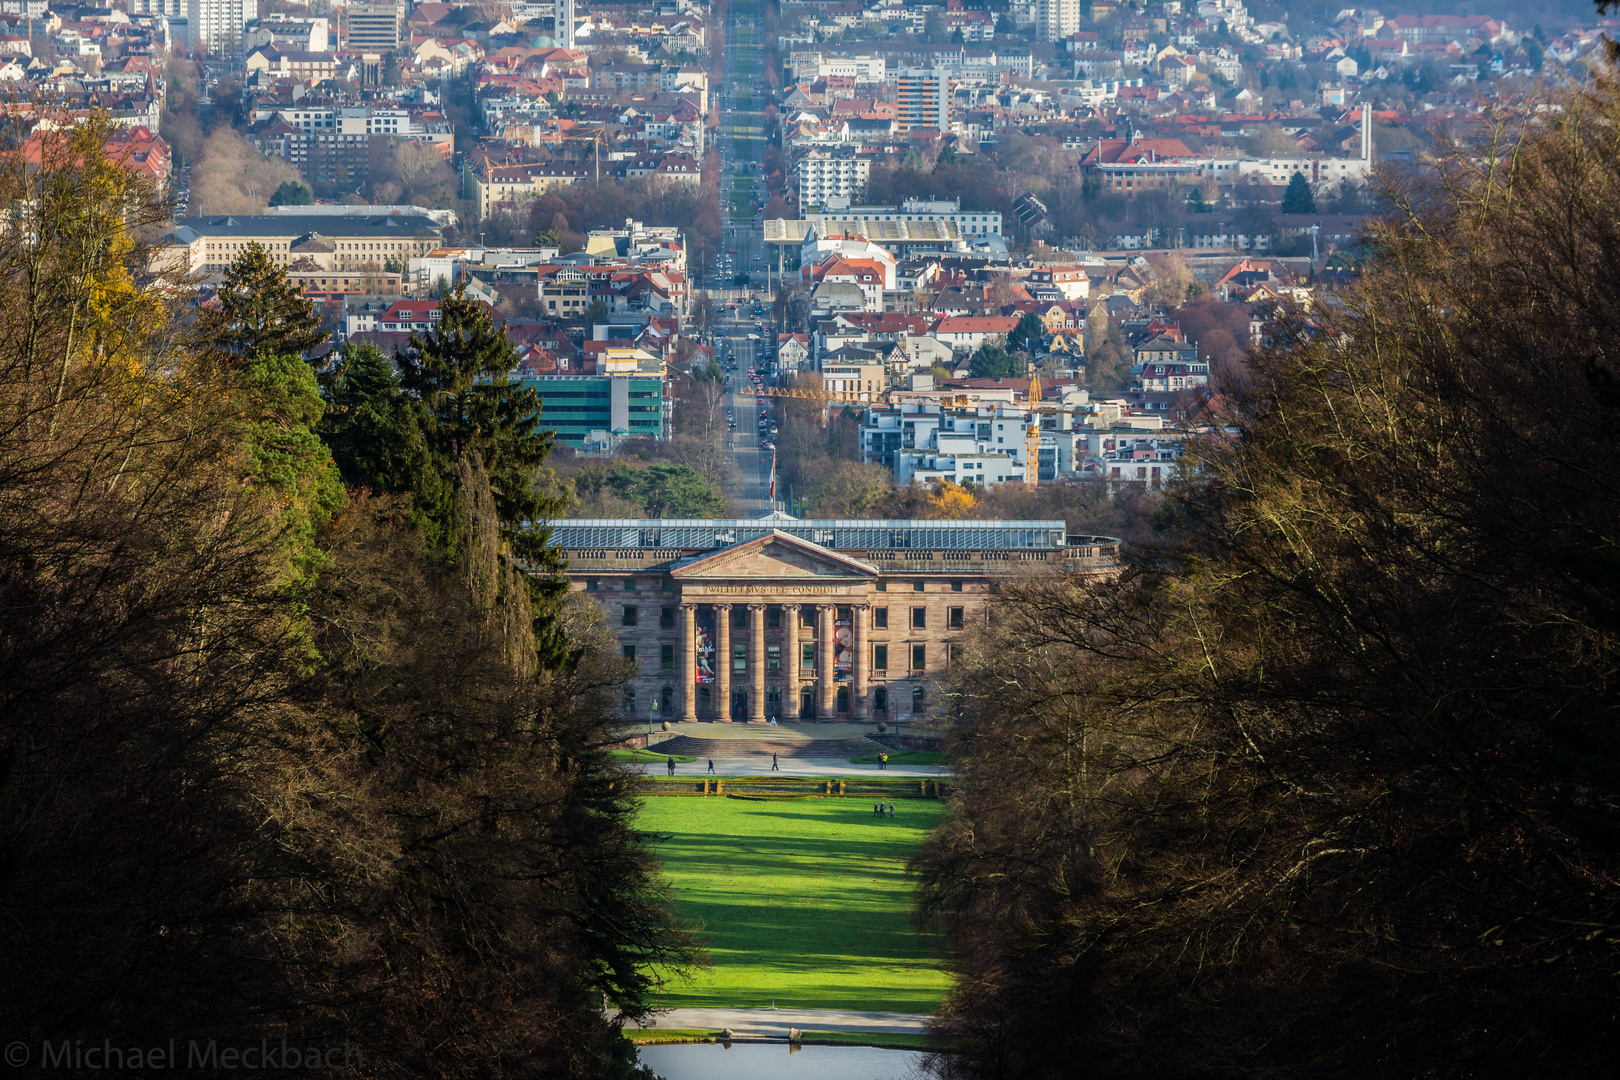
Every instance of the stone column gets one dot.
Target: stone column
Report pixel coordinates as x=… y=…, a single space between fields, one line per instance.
x=756 y=660
x=857 y=694
x=824 y=654
x=688 y=662
x=722 y=662
x=790 y=662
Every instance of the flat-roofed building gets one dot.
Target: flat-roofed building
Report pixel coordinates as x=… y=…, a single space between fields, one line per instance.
x=781 y=618
x=372 y=27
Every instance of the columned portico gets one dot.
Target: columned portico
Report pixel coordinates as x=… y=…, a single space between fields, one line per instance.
x=722 y=662
x=689 y=662
x=790 y=662
x=858 y=705
x=825 y=651
x=756 y=660
x=892 y=601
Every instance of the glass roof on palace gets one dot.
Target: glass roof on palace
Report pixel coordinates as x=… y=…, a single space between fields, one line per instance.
x=842 y=534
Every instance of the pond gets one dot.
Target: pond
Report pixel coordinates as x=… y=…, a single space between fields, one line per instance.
x=777 y=1061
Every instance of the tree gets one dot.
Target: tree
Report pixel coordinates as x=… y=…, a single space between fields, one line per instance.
x=467 y=404
x=672 y=491
x=372 y=429
x=1299 y=198
x=702 y=313
x=261 y=312
x=264 y=719
x=291 y=193
x=1377 y=827
x=708 y=394
x=1029 y=332
x=992 y=362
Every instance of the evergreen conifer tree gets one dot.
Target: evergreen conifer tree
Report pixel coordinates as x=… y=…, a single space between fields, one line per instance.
x=466 y=403
x=1299 y=198
x=261 y=312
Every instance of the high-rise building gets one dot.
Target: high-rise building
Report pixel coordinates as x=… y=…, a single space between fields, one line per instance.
x=372 y=27
x=1056 y=19
x=924 y=100
x=217 y=25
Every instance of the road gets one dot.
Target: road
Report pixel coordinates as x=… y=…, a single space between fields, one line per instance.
x=751 y=463
x=742 y=191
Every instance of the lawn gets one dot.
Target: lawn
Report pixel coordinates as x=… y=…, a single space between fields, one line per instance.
x=807 y=902
x=632 y=753
x=904 y=757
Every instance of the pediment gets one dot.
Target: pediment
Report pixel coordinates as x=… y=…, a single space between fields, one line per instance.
x=777 y=556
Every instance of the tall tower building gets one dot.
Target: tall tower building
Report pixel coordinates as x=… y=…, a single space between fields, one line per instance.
x=563 y=23
x=1056 y=19
x=924 y=99
x=373 y=27
x=217 y=25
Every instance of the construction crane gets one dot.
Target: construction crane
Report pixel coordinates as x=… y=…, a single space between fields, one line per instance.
x=596 y=137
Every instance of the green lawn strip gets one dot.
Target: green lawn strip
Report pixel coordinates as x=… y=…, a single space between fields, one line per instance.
x=904 y=757
x=894 y=1041
x=904 y=1040
x=804 y=902
x=648 y=1036
x=633 y=754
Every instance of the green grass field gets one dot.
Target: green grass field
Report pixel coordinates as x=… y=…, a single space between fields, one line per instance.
x=808 y=902
x=635 y=754
x=904 y=757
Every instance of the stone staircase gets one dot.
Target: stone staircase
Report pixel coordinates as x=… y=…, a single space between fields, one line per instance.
x=788 y=748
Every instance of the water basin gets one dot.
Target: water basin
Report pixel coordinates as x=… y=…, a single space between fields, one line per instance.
x=776 y=1061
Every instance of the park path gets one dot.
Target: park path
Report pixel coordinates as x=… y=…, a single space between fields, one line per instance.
x=828 y=767
x=774 y=1023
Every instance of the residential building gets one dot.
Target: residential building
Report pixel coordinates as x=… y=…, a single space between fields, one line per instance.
x=217 y=25
x=832 y=174
x=924 y=100
x=1056 y=19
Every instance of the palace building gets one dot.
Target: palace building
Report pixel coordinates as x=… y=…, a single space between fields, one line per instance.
x=778 y=618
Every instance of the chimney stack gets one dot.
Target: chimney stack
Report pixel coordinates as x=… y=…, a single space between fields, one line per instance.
x=1366 y=132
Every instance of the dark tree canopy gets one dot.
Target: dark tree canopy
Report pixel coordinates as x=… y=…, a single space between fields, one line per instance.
x=260 y=311
x=993 y=362
x=1327 y=782
x=1299 y=198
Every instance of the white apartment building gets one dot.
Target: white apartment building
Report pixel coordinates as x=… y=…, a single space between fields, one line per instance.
x=217 y=25
x=831 y=174
x=1056 y=19
x=349 y=120
x=925 y=466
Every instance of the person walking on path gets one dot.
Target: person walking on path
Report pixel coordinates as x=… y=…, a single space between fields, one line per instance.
x=883 y=761
x=711 y=764
x=672 y=764
x=775 y=767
